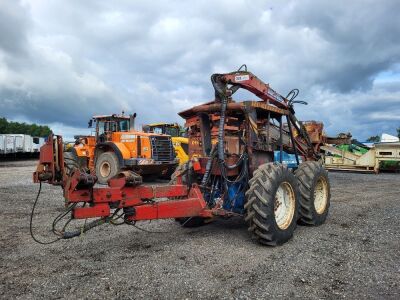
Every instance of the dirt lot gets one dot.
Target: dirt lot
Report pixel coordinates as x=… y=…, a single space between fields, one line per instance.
x=356 y=254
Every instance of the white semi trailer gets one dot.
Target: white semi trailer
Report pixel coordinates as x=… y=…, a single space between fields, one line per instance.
x=28 y=144
x=9 y=144
x=19 y=144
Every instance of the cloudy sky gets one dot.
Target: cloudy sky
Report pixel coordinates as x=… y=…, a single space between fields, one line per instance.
x=63 y=61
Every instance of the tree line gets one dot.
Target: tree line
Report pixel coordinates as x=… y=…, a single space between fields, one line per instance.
x=7 y=127
x=377 y=139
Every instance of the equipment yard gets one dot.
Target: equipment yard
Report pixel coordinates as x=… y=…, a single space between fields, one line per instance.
x=355 y=254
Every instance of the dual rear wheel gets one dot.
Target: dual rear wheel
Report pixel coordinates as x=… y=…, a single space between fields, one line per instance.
x=277 y=199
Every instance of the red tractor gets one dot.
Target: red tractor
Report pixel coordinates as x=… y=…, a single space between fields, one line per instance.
x=239 y=167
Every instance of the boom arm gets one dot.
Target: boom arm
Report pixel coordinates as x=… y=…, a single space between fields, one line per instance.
x=253 y=84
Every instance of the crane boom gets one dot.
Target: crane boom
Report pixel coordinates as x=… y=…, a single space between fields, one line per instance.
x=253 y=84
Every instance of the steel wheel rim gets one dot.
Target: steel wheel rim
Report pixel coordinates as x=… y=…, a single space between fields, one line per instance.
x=105 y=169
x=284 y=205
x=321 y=195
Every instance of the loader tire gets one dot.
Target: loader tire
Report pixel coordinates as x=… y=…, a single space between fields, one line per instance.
x=70 y=162
x=315 y=193
x=107 y=166
x=272 y=203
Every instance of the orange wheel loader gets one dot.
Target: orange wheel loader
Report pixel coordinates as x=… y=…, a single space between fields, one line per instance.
x=117 y=146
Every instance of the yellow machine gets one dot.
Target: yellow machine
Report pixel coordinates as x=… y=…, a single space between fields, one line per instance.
x=181 y=143
x=117 y=146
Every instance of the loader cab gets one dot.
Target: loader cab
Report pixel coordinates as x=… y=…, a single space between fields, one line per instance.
x=171 y=129
x=108 y=124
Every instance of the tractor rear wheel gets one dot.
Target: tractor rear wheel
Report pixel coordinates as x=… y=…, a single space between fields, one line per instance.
x=272 y=204
x=70 y=162
x=315 y=193
x=107 y=166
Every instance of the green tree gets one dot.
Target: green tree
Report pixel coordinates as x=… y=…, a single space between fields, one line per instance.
x=398 y=132
x=3 y=125
x=374 y=139
x=44 y=131
x=23 y=128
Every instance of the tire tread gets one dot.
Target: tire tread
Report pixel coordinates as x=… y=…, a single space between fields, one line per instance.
x=260 y=202
x=306 y=176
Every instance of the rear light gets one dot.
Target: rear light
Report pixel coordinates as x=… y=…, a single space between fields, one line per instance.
x=196 y=165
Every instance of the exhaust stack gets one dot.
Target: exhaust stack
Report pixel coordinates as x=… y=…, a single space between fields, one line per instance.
x=132 y=122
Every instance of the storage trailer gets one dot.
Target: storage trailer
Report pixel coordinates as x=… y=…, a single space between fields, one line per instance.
x=20 y=144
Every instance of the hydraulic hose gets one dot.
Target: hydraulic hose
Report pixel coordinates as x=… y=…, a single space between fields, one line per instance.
x=221 y=154
x=220 y=94
x=206 y=175
x=86 y=227
x=31 y=221
x=220 y=88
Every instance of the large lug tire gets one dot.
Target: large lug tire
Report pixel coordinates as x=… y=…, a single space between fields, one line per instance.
x=315 y=193
x=82 y=161
x=272 y=204
x=70 y=162
x=107 y=166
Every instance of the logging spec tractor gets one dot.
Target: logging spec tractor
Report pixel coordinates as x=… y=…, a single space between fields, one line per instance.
x=237 y=170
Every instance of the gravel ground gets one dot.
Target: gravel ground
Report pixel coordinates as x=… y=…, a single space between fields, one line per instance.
x=356 y=254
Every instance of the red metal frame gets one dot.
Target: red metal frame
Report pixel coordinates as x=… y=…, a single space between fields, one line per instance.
x=51 y=161
x=120 y=192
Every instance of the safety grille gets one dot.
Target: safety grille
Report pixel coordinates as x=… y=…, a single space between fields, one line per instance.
x=162 y=148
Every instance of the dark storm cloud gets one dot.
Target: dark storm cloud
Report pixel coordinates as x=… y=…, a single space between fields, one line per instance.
x=363 y=35
x=61 y=62
x=14 y=22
